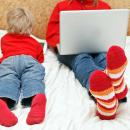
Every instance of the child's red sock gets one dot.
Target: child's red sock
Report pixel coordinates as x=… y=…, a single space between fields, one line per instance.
x=7 y=118
x=37 y=112
x=103 y=91
x=116 y=65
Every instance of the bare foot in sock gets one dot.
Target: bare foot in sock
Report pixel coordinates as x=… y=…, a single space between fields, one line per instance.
x=37 y=112
x=7 y=118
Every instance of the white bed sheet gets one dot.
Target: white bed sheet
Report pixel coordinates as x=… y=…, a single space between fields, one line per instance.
x=68 y=104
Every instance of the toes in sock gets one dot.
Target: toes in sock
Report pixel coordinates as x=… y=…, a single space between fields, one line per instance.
x=116 y=65
x=37 y=112
x=103 y=91
x=7 y=118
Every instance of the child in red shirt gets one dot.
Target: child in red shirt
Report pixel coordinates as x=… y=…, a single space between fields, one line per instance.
x=101 y=74
x=21 y=73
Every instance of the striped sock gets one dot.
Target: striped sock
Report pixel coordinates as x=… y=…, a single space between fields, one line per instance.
x=116 y=65
x=103 y=91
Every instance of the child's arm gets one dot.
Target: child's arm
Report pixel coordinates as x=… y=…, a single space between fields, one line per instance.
x=52 y=35
x=1 y=47
x=40 y=56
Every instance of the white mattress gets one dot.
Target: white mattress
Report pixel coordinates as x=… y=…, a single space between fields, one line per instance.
x=68 y=104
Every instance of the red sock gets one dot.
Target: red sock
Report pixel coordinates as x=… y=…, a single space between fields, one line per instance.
x=37 y=112
x=7 y=118
x=116 y=65
x=103 y=91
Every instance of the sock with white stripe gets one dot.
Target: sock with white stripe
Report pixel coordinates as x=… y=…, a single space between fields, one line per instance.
x=103 y=91
x=116 y=65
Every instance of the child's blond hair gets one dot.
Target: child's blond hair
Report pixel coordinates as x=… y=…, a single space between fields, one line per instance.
x=20 y=21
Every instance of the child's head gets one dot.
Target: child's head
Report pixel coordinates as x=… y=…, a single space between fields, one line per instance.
x=19 y=21
x=95 y=2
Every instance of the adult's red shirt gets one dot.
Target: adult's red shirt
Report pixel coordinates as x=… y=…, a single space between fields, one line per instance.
x=53 y=34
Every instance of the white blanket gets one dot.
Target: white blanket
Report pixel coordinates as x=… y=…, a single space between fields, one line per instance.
x=68 y=104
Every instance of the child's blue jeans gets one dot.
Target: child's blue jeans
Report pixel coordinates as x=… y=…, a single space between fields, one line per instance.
x=21 y=75
x=84 y=64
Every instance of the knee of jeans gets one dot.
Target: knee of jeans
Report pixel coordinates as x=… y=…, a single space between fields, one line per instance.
x=78 y=66
x=80 y=57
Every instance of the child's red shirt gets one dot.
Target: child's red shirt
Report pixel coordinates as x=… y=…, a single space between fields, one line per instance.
x=16 y=44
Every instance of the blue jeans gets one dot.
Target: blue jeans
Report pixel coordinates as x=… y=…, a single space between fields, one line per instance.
x=84 y=64
x=21 y=76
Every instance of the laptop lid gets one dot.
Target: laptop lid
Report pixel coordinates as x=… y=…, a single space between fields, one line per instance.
x=92 y=31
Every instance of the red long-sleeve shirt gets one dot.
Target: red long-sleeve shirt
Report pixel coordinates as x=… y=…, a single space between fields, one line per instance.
x=53 y=35
x=15 y=44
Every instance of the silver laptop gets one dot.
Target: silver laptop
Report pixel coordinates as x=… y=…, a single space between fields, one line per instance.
x=92 y=31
